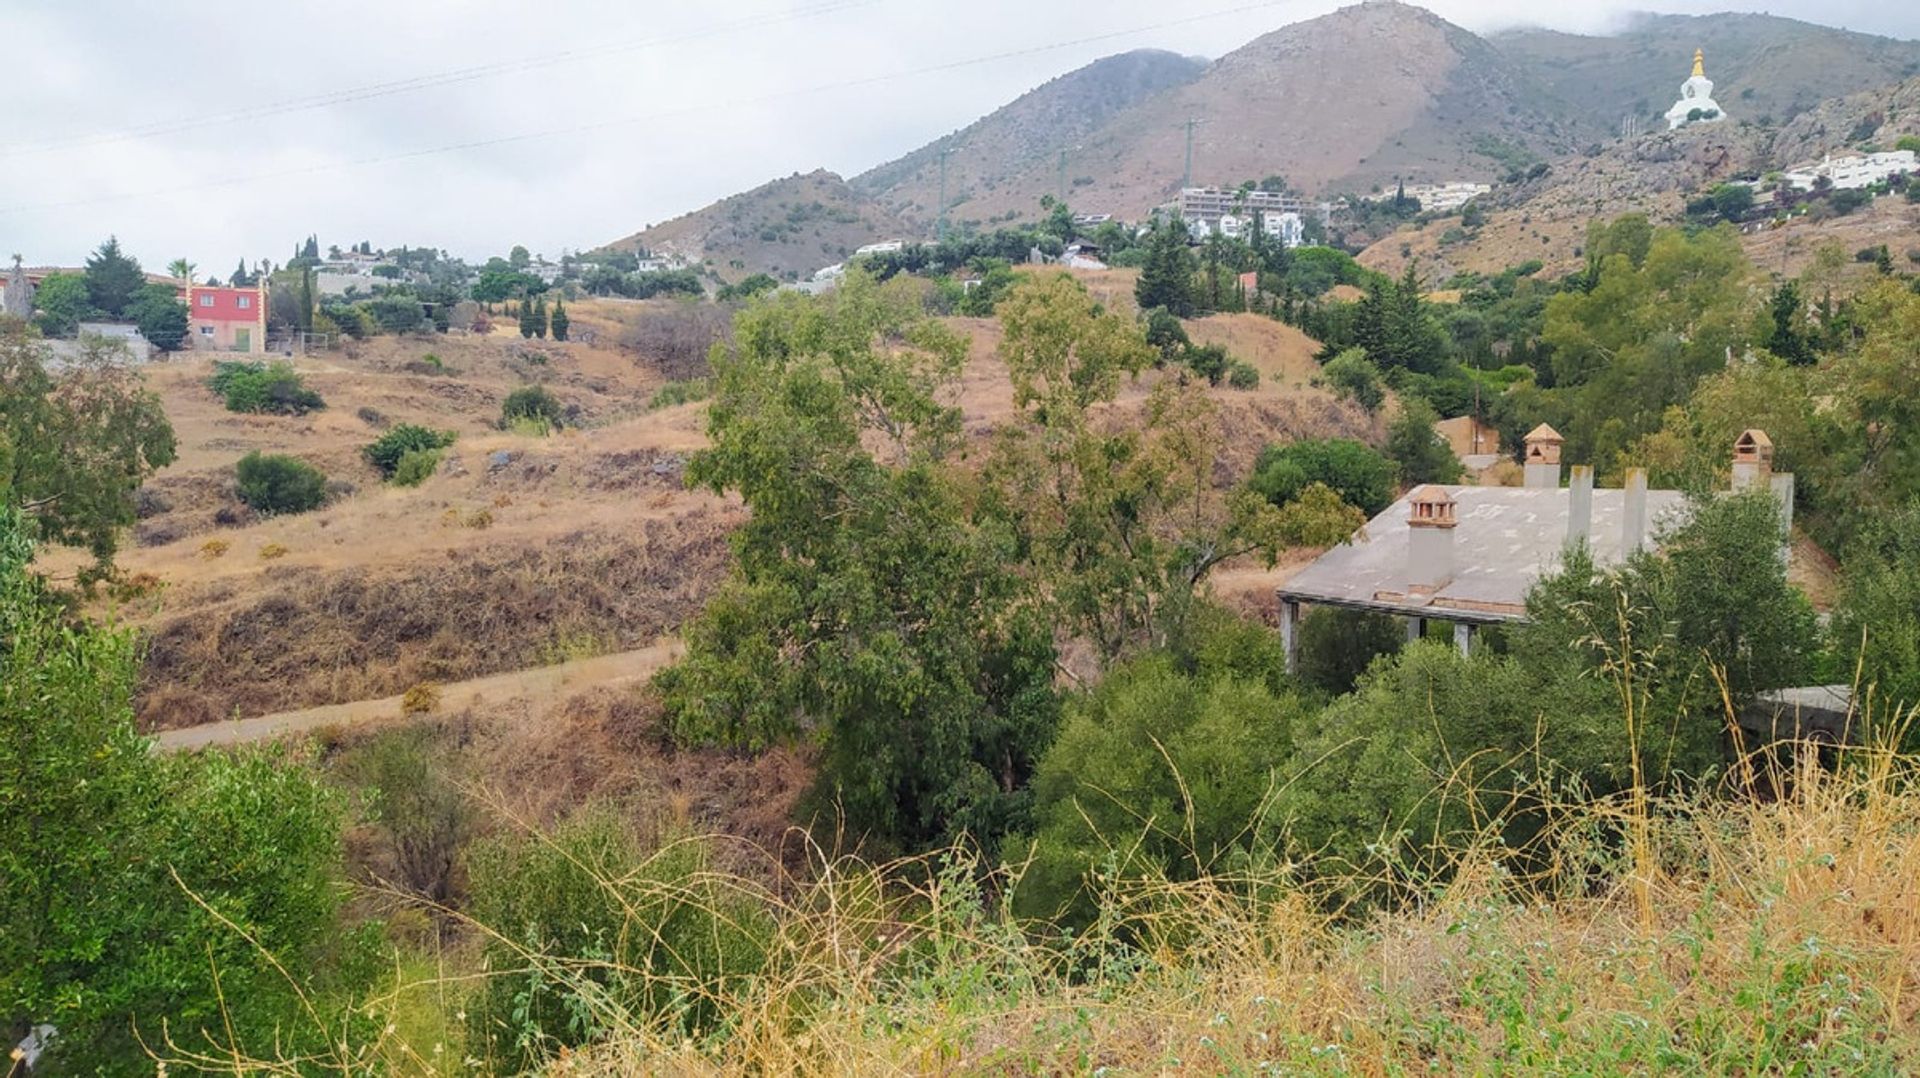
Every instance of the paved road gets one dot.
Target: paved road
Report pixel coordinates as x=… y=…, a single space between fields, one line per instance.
x=624 y=668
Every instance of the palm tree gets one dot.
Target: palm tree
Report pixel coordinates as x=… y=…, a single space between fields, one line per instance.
x=182 y=270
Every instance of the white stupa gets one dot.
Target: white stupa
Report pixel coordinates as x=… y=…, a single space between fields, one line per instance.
x=1696 y=104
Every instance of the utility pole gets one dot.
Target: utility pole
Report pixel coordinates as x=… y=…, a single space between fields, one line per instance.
x=940 y=229
x=1186 y=180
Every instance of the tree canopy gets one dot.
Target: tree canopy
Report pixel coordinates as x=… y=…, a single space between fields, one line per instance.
x=76 y=449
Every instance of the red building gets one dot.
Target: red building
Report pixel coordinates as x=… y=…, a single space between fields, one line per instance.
x=228 y=319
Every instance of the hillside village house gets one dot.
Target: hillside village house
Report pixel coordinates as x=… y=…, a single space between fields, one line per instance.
x=1468 y=436
x=1852 y=171
x=1445 y=197
x=1468 y=556
x=227 y=319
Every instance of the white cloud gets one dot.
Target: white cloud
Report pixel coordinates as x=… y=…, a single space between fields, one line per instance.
x=731 y=99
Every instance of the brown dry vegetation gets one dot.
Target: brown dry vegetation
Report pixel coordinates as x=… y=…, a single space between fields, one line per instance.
x=519 y=552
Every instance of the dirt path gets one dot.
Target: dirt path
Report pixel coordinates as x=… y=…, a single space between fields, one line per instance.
x=619 y=669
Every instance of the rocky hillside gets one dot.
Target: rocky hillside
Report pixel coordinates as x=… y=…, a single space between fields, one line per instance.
x=1029 y=133
x=1344 y=102
x=1764 y=68
x=1878 y=117
x=788 y=228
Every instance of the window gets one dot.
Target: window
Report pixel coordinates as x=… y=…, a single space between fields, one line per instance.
x=206 y=300
x=245 y=301
x=206 y=331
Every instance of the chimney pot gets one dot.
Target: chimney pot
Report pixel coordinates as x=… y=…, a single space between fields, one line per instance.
x=1752 y=461
x=1633 y=517
x=1432 y=519
x=1542 y=458
x=1580 y=505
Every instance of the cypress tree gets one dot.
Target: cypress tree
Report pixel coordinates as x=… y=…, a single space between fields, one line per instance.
x=526 y=319
x=560 y=319
x=540 y=317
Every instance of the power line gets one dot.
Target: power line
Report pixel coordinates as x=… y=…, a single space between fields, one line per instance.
x=422 y=82
x=601 y=125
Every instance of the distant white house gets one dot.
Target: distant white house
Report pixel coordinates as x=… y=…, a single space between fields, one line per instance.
x=1287 y=227
x=1852 y=171
x=886 y=247
x=1446 y=197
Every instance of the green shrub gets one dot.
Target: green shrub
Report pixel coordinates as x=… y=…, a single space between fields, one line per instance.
x=682 y=392
x=600 y=934
x=535 y=403
x=263 y=389
x=1209 y=361
x=1166 y=769
x=1414 y=445
x=390 y=448
x=1242 y=375
x=276 y=483
x=1360 y=475
x=416 y=467
x=1354 y=377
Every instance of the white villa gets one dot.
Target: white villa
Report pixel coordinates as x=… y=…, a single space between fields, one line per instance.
x=1446 y=197
x=1696 y=104
x=1851 y=171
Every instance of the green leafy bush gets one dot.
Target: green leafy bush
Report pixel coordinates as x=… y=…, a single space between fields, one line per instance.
x=1360 y=475
x=262 y=388
x=415 y=467
x=1242 y=375
x=674 y=394
x=1354 y=377
x=386 y=452
x=602 y=934
x=532 y=403
x=1167 y=769
x=1414 y=445
x=108 y=850
x=1209 y=361
x=276 y=483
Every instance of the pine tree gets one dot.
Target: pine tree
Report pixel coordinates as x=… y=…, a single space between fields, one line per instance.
x=1166 y=279
x=560 y=319
x=241 y=278
x=113 y=279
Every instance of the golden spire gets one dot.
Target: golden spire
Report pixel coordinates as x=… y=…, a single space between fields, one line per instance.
x=1699 y=63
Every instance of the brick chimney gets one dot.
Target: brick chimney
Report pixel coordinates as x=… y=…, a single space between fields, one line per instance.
x=1633 y=515
x=1752 y=462
x=1580 y=505
x=1543 y=458
x=1430 y=526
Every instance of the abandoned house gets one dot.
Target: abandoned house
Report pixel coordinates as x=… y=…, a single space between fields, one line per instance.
x=1468 y=556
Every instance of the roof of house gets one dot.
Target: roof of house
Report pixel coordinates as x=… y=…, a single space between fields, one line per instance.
x=1507 y=538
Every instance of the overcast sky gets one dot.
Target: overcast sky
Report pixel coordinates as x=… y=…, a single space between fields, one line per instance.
x=478 y=124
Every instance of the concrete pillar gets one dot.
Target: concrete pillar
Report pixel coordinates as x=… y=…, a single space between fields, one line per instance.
x=1463 y=637
x=1416 y=628
x=1633 y=518
x=1290 y=633
x=1580 y=505
x=1783 y=493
